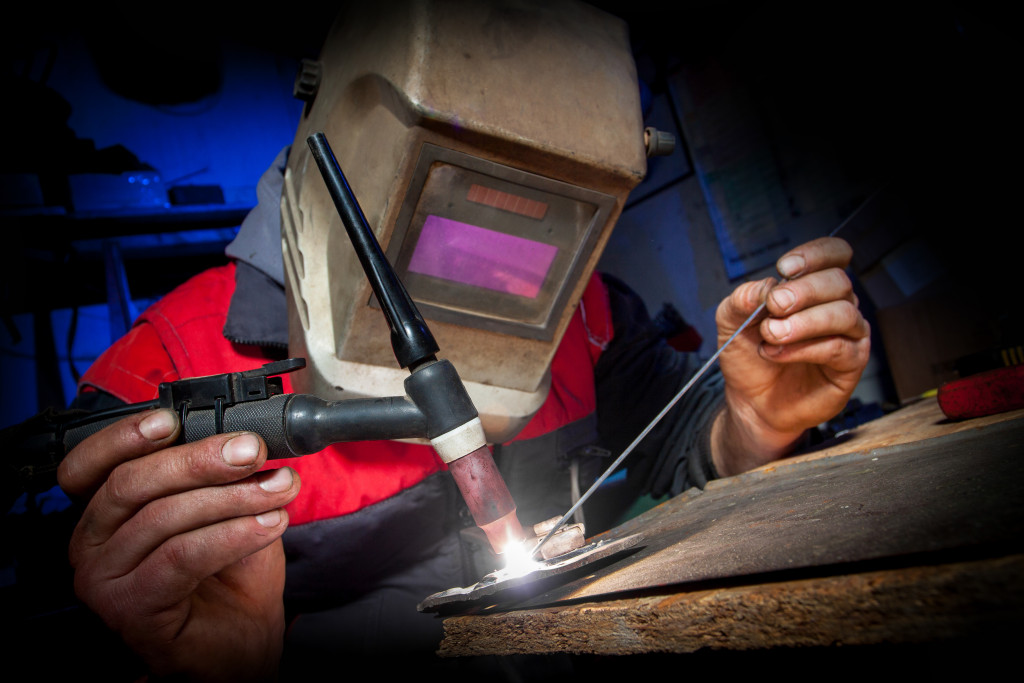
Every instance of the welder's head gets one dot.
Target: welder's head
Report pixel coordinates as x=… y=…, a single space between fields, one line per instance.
x=491 y=146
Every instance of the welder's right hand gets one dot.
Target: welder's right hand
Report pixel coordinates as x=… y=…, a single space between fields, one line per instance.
x=179 y=547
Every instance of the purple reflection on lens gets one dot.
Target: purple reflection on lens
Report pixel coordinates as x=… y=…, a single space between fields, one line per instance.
x=480 y=257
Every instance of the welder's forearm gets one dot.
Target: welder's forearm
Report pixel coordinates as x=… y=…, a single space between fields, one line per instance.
x=740 y=444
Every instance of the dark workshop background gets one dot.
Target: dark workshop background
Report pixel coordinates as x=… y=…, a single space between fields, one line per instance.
x=133 y=140
x=133 y=144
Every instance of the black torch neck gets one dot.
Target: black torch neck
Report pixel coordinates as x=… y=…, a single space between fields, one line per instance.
x=411 y=340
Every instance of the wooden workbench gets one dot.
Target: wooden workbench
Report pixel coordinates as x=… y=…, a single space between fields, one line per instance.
x=906 y=530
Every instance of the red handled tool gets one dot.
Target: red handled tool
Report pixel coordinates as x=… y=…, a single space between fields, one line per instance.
x=987 y=393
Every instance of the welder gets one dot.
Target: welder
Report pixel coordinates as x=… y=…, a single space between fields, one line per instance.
x=492 y=147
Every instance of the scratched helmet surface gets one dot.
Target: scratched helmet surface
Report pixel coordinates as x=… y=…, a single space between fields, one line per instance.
x=491 y=146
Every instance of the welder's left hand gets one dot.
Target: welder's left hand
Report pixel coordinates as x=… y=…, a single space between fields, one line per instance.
x=799 y=366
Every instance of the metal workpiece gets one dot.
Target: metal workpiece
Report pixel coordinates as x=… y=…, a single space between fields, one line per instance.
x=567 y=538
x=564 y=552
x=503 y=583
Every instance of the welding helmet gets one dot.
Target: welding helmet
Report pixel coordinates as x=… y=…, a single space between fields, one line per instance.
x=491 y=146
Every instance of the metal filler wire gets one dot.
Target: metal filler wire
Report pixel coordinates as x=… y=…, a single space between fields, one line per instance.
x=682 y=392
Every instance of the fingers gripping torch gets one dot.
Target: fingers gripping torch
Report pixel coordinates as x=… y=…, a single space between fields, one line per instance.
x=436 y=407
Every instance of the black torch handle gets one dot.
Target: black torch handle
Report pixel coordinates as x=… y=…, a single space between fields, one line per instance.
x=290 y=424
x=411 y=340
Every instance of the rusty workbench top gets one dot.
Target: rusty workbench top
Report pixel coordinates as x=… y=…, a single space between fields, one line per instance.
x=908 y=528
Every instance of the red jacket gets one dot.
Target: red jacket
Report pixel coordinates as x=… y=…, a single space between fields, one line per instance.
x=181 y=336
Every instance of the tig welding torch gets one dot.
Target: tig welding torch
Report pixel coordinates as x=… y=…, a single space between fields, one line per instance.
x=436 y=405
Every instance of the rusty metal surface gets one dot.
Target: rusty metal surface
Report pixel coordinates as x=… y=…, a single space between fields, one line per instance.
x=977 y=599
x=953 y=495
